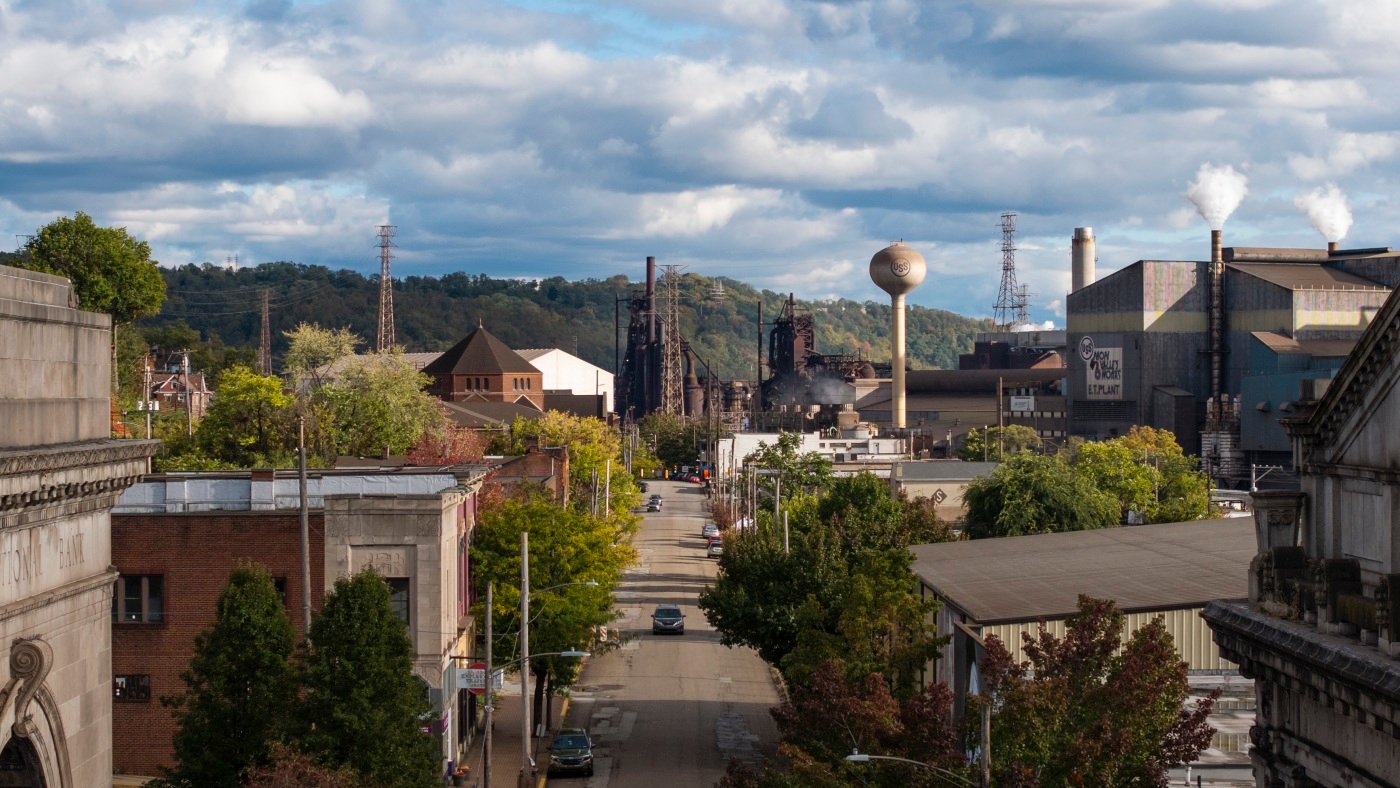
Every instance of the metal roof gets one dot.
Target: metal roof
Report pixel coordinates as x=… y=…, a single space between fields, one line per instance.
x=1305 y=276
x=943 y=470
x=1143 y=568
x=1288 y=346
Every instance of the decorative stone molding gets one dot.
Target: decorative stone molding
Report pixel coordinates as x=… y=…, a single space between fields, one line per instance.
x=1277 y=514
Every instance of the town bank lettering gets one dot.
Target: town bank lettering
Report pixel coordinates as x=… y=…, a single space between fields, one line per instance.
x=1104 y=373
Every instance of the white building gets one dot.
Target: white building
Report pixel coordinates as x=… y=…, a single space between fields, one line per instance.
x=567 y=372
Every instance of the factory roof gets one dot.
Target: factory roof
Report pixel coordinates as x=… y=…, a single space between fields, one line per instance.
x=1317 y=348
x=1306 y=276
x=479 y=414
x=1143 y=568
x=942 y=470
x=977 y=380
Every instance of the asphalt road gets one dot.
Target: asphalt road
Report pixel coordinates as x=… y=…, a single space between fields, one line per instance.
x=671 y=710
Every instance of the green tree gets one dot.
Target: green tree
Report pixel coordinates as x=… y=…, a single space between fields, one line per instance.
x=311 y=349
x=377 y=406
x=1182 y=491
x=592 y=444
x=111 y=272
x=1092 y=708
x=362 y=707
x=249 y=422
x=567 y=549
x=994 y=444
x=797 y=471
x=843 y=590
x=675 y=442
x=239 y=685
x=1034 y=494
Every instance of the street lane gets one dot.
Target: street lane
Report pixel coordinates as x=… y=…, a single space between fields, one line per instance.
x=670 y=710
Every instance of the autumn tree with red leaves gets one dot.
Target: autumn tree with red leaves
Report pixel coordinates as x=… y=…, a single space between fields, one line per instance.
x=1077 y=713
x=831 y=714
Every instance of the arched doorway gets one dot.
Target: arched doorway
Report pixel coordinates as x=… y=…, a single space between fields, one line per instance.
x=19 y=765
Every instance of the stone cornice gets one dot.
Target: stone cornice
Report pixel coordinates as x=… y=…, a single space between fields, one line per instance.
x=74 y=455
x=1344 y=672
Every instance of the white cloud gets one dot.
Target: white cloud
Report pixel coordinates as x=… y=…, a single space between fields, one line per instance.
x=1349 y=152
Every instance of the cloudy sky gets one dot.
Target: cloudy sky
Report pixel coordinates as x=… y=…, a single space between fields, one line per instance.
x=779 y=142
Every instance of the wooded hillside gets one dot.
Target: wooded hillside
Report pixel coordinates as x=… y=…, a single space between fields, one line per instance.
x=432 y=313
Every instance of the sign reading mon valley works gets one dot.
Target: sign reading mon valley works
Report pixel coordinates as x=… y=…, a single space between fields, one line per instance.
x=1103 y=370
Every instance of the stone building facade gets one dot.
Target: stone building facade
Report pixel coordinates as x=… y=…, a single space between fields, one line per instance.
x=1320 y=634
x=60 y=474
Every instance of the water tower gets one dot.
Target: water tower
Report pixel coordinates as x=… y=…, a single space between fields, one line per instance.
x=897 y=270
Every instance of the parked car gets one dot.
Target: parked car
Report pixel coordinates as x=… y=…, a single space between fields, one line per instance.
x=709 y=530
x=571 y=752
x=667 y=618
x=653 y=506
x=715 y=550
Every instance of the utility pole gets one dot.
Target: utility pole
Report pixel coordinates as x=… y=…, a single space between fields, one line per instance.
x=146 y=400
x=265 y=344
x=526 y=762
x=490 y=676
x=189 y=396
x=607 y=489
x=305 y=514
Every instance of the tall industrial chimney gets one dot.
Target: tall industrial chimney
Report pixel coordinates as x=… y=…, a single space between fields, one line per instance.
x=1082 y=256
x=1333 y=247
x=897 y=270
x=1216 y=317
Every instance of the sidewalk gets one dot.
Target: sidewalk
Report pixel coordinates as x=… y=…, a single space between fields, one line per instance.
x=506 y=752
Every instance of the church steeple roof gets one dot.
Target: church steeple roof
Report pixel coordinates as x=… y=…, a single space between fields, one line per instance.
x=480 y=353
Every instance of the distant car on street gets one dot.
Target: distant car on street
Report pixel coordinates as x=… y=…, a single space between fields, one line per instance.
x=571 y=752
x=709 y=530
x=644 y=486
x=654 y=506
x=715 y=550
x=667 y=618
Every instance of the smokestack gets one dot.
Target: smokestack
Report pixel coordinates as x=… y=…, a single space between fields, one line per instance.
x=1332 y=247
x=651 y=298
x=1216 y=317
x=897 y=270
x=1082 y=256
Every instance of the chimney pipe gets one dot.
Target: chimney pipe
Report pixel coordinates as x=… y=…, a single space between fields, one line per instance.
x=651 y=298
x=1332 y=247
x=1082 y=258
x=1216 y=316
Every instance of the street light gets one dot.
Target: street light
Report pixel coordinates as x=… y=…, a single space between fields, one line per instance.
x=857 y=756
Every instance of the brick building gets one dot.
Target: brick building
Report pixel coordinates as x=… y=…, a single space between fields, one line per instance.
x=176 y=537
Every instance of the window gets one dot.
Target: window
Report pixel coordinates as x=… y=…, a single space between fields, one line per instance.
x=131 y=687
x=139 y=599
x=398 y=598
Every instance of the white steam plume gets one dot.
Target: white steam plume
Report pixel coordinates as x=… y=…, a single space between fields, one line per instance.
x=1217 y=192
x=1326 y=207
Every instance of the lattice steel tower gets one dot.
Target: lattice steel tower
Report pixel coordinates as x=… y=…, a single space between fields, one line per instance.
x=385 y=340
x=1011 y=300
x=672 y=357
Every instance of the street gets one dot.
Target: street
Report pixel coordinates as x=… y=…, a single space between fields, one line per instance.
x=671 y=709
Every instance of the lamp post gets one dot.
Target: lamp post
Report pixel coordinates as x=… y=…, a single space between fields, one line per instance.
x=857 y=756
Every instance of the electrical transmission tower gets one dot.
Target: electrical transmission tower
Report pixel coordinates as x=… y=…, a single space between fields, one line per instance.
x=385 y=340
x=672 y=360
x=1011 y=300
x=265 y=345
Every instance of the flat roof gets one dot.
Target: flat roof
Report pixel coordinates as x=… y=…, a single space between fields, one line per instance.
x=1143 y=568
x=943 y=470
